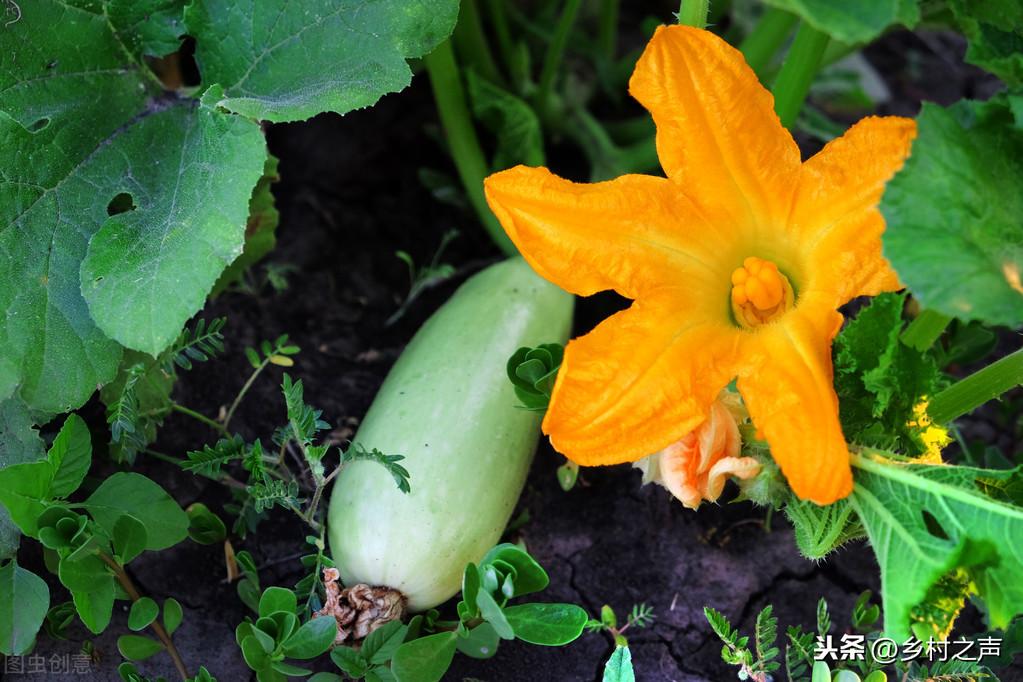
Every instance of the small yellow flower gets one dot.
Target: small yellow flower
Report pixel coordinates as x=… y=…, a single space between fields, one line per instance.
x=736 y=262
x=933 y=436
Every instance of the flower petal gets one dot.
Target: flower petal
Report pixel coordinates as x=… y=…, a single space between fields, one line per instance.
x=741 y=467
x=788 y=389
x=631 y=234
x=835 y=211
x=716 y=128
x=641 y=380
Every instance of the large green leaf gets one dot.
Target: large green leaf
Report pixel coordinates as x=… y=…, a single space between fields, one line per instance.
x=19 y=438
x=880 y=380
x=84 y=127
x=852 y=21
x=24 y=489
x=995 y=31
x=260 y=237
x=24 y=599
x=288 y=60
x=152 y=27
x=165 y=522
x=150 y=269
x=955 y=212
x=19 y=443
x=925 y=521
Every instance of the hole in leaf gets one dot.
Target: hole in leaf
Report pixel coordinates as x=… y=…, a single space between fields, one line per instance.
x=39 y=125
x=122 y=203
x=934 y=526
x=178 y=69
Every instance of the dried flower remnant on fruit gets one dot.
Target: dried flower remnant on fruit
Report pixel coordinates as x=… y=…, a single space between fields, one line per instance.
x=736 y=262
x=359 y=609
x=695 y=468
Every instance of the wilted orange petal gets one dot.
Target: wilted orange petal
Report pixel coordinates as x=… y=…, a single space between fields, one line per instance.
x=631 y=234
x=835 y=210
x=741 y=467
x=788 y=389
x=717 y=132
x=641 y=380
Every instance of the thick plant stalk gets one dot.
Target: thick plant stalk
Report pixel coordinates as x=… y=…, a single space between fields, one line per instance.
x=970 y=393
x=925 y=329
x=607 y=36
x=801 y=64
x=465 y=147
x=472 y=44
x=766 y=38
x=694 y=13
x=555 y=53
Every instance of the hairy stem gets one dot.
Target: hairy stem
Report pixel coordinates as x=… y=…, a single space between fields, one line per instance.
x=796 y=75
x=200 y=417
x=499 y=21
x=694 y=13
x=555 y=54
x=125 y=581
x=472 y=45
x=766 y=38
x=927 y=328
x=607 y=34
x=449 y=96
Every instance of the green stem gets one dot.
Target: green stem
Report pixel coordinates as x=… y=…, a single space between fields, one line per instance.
x=199 y=417
x=837 y=50
x=796 y=75
x=607 y=34
x=122 y=577
x=766 y=38
x=555 y=53
x=225 y=479
x=245 y=389
x=499 y=20
x=694 y=13
x=631 y=129
x=310 y=514
x=978 y=388
x=927 y=328
x=164 y=458
x=465 y=147
x=472 y=45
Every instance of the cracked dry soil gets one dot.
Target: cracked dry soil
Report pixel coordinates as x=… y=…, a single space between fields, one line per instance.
x=350 y=196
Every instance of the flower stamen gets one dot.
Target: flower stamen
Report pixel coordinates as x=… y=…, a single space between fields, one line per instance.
x=760 y=292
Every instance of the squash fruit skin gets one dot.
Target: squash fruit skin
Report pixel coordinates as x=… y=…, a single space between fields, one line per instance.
x=447 y=406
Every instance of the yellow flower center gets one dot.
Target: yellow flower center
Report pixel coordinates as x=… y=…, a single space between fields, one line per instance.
x=760 y=293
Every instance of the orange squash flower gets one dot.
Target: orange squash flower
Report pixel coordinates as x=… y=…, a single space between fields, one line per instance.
x=736 y=264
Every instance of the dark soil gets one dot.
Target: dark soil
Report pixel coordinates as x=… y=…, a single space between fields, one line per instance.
x=350 y=195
